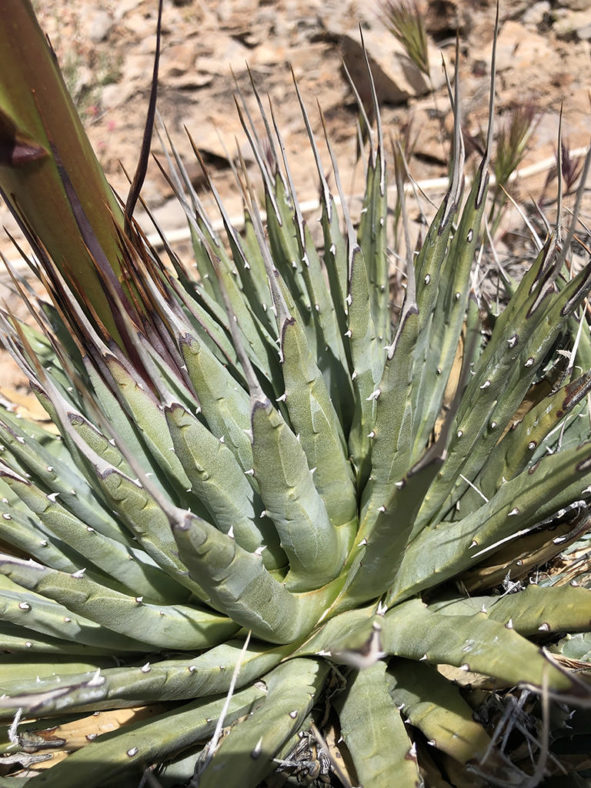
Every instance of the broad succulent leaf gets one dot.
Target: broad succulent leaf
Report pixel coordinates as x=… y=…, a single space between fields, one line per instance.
x=291 y=690
x=375 y=733
x=168 y=680
x=437 y=709
x=146 y=742
x=264 y=495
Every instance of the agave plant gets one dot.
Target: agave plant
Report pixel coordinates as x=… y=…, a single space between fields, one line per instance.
x=257 y=507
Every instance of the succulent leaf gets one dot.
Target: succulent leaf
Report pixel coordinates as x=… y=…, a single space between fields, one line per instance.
x=265 y=496
x=375 y=733
x=315 y=548
x=535 y=610
x=144 y=742
x=181 y=626
x=219 y=482
x=517 y=507
x=291 y=690
x=415 y=631
x=315 y=420
x=176 y=679
x=438 y=710
x=46 y=617
x=239 y=584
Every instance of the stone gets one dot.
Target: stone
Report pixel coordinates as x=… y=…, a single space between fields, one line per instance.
x=537 y=14
x=576 y=5
x=117 y=93
x=100 y=25
x=229 y=56
x=124 y=7
x=178 y=60
x=574 y=24
x=138 y=68
x=518 y=51
x=396 y=77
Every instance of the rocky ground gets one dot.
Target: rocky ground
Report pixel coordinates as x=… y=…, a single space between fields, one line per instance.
x=210 y=47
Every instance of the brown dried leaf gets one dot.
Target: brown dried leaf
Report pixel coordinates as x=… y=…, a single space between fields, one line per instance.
x=71 y=736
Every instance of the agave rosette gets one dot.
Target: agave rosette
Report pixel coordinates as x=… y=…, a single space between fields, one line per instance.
x=251 y=485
